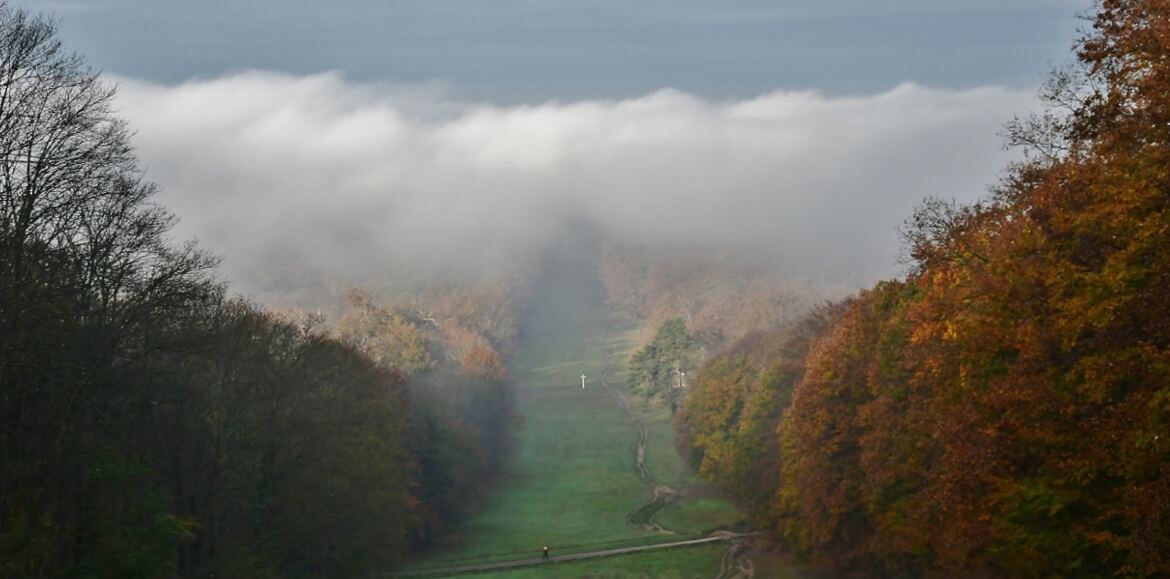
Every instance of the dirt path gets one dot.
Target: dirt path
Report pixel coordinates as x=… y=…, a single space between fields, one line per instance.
x=664 y=495
x=735 y=563
x=562 y=558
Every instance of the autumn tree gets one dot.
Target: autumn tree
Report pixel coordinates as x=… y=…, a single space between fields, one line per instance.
x=730 y=416
x=86 y=276
x=460 y=427
x=384 y=334
x=1002 y=411
x=721 y=295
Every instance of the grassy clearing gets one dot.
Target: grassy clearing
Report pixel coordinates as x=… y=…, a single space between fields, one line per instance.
x=572 y=480
x=701 y=515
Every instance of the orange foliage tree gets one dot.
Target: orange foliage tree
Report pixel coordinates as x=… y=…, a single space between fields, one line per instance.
x=728 y=422
x=1005 y=411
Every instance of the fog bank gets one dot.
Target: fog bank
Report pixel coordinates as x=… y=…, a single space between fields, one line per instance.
x=315 y=173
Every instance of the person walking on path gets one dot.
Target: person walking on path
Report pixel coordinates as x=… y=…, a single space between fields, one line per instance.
x=544 y=553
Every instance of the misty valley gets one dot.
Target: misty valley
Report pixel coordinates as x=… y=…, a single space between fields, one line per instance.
x=276 y=323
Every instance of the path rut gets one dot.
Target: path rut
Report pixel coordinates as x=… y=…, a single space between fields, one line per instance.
x=735 y=563
x=664 y=495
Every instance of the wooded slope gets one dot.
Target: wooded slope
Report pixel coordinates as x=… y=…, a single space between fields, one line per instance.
x=1005 y=409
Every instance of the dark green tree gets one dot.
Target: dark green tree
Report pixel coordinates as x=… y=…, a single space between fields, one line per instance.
x=657 y=370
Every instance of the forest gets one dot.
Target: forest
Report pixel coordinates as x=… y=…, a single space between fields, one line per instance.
x=153 y=425
x=1003 y=410
x=999 y=409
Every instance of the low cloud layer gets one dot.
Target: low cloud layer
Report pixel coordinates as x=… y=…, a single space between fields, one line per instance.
x=269 y=169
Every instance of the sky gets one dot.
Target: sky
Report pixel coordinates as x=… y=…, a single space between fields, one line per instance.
x=512 y=51
x=385 y=135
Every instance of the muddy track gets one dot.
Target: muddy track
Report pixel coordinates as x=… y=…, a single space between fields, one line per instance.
x=664 y=495
x=735 y=563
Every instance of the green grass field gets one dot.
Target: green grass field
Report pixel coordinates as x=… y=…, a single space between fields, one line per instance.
x=573 y=480
x=701 y=515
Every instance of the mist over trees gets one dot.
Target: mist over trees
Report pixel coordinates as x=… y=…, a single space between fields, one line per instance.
x=450 y=345
x=151 y=426
x=504 y=182
x=1002 y=411
x=697 y=301
x=720 y=293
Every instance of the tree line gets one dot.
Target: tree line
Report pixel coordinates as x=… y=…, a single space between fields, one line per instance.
x=151 y=425
x=720 y=294
x=697 y=300
x=1004 y=410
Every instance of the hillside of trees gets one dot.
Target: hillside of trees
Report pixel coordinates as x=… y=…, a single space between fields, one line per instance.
x=1003 y=411
x=150 y=425
x=727 y=427
x=451 y=351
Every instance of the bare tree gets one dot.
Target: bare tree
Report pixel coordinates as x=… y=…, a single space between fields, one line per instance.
x=86 y=271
